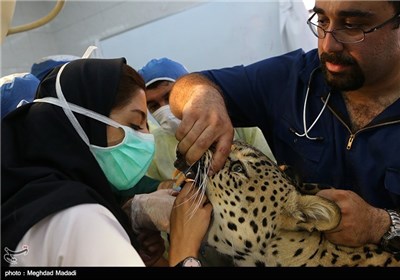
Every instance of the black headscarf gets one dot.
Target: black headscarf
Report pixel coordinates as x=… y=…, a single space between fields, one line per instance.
x=46 y=166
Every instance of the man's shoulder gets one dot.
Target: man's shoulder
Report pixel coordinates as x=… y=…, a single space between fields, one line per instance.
x=295 y=60
x=303 y=58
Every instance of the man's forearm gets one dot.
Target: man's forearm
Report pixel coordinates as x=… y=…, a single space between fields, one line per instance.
x=187 y=87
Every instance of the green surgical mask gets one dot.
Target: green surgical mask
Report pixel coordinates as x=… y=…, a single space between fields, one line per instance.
x=127 y=162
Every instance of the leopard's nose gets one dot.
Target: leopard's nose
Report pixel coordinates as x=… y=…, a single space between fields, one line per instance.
x=190 y=171
x=180 y=162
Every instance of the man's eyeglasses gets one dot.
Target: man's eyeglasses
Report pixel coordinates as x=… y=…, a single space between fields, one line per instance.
x=345 y=35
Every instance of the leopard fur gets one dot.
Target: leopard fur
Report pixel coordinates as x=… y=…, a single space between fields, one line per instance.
x=261 y=219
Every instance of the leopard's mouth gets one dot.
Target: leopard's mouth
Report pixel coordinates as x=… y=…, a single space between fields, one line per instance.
x=199 y=169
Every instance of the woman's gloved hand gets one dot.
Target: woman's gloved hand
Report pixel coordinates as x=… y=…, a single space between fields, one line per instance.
x=151 y=211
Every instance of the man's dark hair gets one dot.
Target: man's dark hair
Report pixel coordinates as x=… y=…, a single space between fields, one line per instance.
x=396 y=5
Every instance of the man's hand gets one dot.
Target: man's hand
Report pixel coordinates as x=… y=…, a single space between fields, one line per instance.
x=166 y=184
x=205 y=120
x=360 y=224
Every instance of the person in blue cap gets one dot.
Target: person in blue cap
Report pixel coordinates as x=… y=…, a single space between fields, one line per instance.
x=159 y=76
x=20 y=88
x=16 y=89
x=44 y=66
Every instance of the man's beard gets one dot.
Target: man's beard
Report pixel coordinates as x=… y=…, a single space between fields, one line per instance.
x=350 y=80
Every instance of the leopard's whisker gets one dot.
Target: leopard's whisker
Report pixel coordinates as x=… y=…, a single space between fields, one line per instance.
x=200 y=192
x=197 y=197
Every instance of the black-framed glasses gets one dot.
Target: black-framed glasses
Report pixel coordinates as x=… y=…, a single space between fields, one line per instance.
x=346 y=35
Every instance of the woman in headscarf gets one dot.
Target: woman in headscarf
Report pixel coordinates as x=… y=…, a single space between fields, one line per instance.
x=68 y=161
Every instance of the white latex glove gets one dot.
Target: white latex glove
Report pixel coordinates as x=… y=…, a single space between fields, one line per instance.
x=151 y=211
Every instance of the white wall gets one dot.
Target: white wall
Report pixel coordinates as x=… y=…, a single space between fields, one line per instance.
x=20 y=49
x=78 y=25
x=207 y=36
x=198 y=34
x=214 y=35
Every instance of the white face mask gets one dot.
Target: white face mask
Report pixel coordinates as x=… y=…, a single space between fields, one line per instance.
x=166 y=119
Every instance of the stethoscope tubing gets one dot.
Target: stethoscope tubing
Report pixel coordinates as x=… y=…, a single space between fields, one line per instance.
x=307 y=130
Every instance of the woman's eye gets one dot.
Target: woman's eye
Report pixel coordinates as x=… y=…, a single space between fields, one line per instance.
x=135 y=127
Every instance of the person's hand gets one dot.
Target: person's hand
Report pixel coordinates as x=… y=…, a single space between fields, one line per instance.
x=360 y=223
x=205 y=120
x=151 y=211
x=166 y=184
x=151 y=248
x=190 y=218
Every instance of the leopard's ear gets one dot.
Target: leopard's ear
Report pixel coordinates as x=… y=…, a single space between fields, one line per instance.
x=309 y=212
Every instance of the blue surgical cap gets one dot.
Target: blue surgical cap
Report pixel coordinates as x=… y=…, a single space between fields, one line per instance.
x=163 y=69
x=48 y=63
x=15 y=88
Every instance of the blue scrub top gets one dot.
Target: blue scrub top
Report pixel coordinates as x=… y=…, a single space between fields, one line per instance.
x=16 y=89
x=270 y=94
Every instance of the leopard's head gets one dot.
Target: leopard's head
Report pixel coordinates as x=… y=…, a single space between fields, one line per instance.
x=254 y=201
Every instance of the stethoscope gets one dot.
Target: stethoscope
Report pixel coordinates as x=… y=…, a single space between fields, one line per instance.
x=307 y=130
